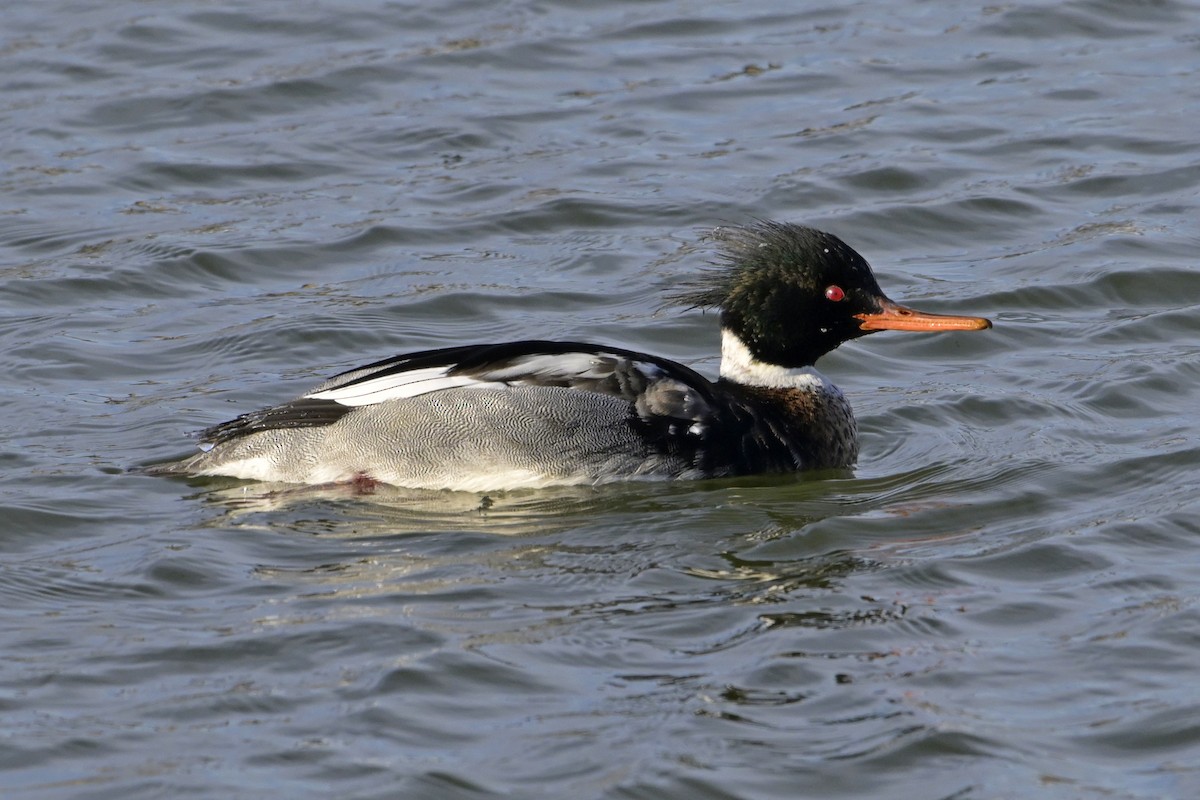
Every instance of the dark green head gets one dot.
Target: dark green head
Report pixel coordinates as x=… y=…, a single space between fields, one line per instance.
x=791 y=294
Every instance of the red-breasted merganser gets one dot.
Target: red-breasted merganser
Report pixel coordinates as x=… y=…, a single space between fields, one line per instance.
x=536 y=413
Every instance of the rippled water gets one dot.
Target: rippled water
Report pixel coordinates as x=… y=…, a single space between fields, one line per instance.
x=207 y=207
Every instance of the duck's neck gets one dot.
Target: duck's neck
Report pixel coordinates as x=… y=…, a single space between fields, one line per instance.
x=799 y=407
x=740 y=366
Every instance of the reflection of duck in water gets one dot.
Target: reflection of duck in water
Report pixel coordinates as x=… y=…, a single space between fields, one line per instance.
x=534 y=413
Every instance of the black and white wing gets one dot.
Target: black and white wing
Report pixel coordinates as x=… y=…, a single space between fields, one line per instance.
x=667 y=398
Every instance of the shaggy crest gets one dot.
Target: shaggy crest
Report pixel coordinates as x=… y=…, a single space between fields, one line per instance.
x=764 y=253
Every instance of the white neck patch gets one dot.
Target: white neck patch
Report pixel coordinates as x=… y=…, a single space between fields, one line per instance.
x=739 y=366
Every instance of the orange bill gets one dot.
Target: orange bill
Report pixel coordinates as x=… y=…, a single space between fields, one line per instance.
x=895 y=317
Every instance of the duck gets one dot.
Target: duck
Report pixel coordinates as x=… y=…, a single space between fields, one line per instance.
x=533 y=413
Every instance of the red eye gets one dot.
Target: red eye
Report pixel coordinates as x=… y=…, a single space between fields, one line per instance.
x=835 y=293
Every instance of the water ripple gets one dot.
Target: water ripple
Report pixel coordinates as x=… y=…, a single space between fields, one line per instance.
x=208 y=209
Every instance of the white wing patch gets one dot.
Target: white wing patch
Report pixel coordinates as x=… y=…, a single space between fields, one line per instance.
x=579 y=366
x=573 y=368
x=394 y=387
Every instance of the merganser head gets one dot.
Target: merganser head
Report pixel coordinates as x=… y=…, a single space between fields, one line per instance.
x=790 y=294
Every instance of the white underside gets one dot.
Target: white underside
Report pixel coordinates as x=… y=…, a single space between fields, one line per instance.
x=261 y=469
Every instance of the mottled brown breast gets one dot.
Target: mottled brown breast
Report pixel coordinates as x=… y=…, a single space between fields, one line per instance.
x=817 y=424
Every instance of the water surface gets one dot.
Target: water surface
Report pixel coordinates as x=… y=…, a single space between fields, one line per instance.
x=208 y=207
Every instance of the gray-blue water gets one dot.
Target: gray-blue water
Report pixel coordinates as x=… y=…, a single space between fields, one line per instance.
x=207 y=207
